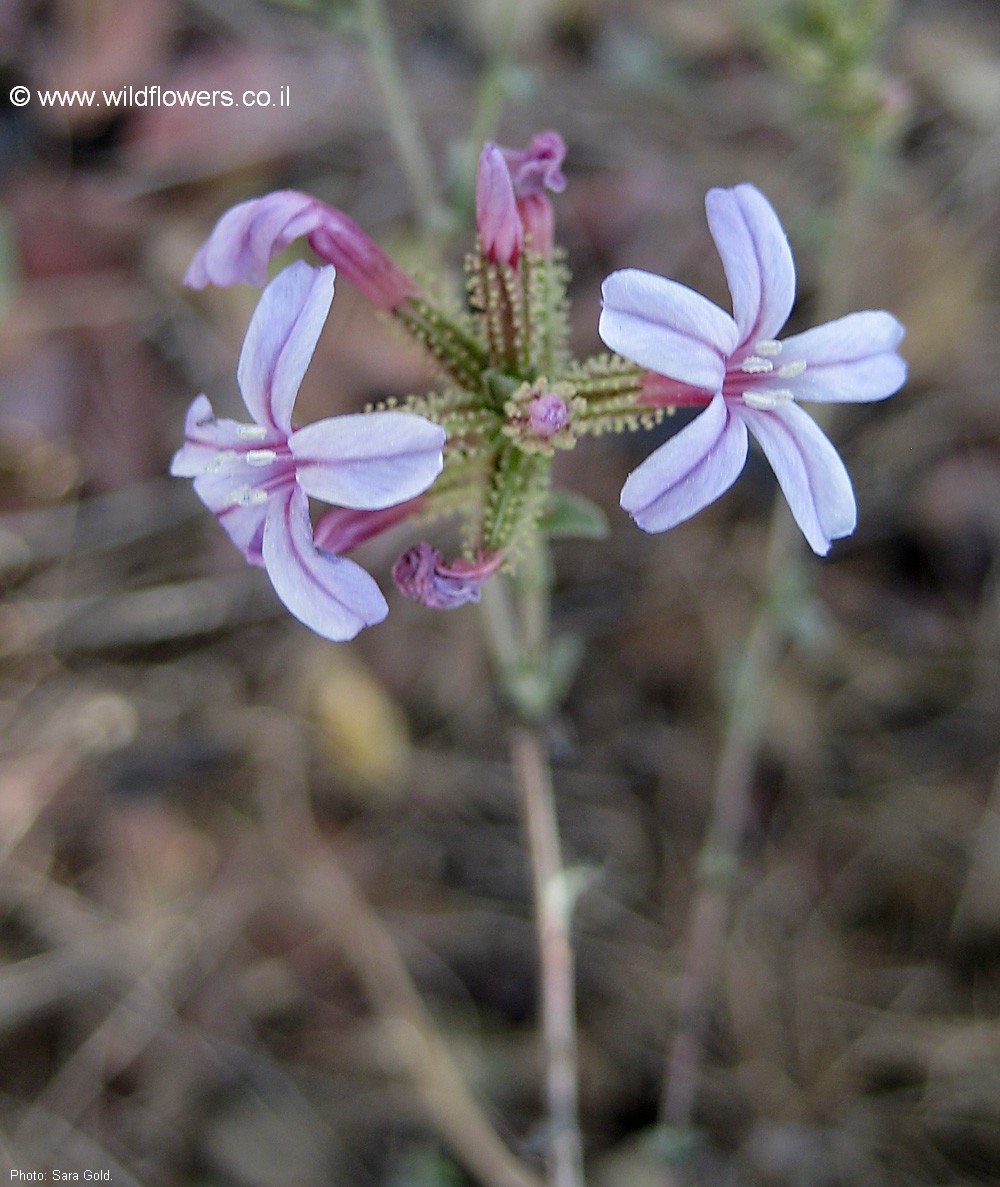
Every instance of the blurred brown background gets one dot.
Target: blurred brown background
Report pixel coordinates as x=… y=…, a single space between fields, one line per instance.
x=174 y=1000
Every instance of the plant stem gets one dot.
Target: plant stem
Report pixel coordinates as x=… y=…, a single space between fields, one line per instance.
x=553 y=909
x=407 y=138
x=491 y=95
x=292 y=846
x=518 y=635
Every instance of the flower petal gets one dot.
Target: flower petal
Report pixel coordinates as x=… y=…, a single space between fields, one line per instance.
x=756 y=257
x=244 y=523
x=280 y=342
x=368 y=460
x=689 y=471
x=538 y=167
x=329 y=594
x=246 y=238
x=809 y=470
x=202 y=440
x=340 y=241
x=667 y=327
x=852 y=359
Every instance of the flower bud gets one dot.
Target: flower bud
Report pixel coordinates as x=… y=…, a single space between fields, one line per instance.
x=501 y=234
x=533 y=171
x=547 y=414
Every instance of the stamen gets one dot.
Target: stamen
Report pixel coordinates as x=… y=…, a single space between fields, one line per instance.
x=793 y=369
x=260 y=457
x=769 y=347
x=249 y=496
x=765 y=401
x=223 y=459
x=753 y=365
x=251 y=432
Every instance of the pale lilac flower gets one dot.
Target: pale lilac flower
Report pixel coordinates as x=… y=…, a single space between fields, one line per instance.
x=747 y=378
x=511 y=198
x=247 y=237
x=422 y=575
x=257 y=478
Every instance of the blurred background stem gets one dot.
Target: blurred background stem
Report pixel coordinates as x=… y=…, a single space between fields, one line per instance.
x=719 y=859
x=410 y=1032
x=408 y=140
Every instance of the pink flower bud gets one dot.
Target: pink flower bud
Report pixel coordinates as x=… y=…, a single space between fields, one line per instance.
x=547 y=414
x=501 y=234
x=538 y=221
x=531 y=173
x=422 y=576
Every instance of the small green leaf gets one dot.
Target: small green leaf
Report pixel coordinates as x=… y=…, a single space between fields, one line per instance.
x=568 y=515
x=564 y=659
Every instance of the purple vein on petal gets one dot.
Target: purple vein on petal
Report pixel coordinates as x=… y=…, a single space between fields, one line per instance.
x=689 y=471
x=368 y=460
x=756 y=258
x=809 y=470
x=330 y=594
x=280 y=341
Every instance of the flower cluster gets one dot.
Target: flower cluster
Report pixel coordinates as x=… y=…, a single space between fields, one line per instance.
x=481 y=445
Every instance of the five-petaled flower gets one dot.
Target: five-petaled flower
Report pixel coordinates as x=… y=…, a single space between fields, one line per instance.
x=699 y=355
x=257 y=478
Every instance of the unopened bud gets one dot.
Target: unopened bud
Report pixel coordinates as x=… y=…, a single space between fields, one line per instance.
x=501 y=234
